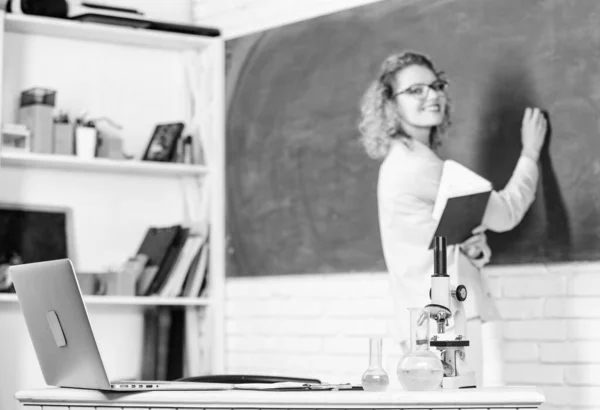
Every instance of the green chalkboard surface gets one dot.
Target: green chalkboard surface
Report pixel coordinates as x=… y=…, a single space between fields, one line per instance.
x=301 y=191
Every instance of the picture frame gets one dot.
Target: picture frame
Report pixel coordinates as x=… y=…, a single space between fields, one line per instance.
x=162 y=146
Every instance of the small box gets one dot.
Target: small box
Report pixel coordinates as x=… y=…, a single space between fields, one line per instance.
x=109 y=147
x=16 y=137
x=35 y=112
x=63 y=139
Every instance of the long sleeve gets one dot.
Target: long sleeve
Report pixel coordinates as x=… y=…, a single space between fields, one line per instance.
x=507 y=207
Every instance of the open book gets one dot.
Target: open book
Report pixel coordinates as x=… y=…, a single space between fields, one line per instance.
x=460 y=204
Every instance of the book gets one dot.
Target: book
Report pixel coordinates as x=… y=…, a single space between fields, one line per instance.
x=460 y=204
x=156 y=245
x=170 y=258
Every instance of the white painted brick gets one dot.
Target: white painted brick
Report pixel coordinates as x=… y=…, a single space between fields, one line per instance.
x=583 y=329
x=347 y=345
x=273 y=307
x=534 y=286
x=362 y=285
x=574 y=268
x=363 y=327
x=309 y=327
x=586 y=374
x=572 y=397
x=310 y=286
x=570 y=352
x=273 y=344
x=520 y=308
x=298 y=344
x=363 y=307
x=520 y=352
x=240 y=308
x=267 y=287
x=585 y=284
x=294 y=307
x=540 y=330
x=534 y=373
x=253 y=325
x=516 y=270
x=234 y=326
x=237 y=360
x=572 y=307
x=494 y=285
x=250 y=343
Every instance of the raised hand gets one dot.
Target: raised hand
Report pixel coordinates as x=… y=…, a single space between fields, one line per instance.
x=533 y=132
x=476 y=247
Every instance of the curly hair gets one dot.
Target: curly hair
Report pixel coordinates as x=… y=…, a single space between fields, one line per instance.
x=380 y=121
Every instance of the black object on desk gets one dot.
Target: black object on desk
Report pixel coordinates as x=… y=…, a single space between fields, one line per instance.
x=246 y=378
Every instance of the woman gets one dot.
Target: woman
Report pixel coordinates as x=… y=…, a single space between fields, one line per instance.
x=405 y=113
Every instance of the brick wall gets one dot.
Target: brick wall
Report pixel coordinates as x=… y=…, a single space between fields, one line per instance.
x=319 y=325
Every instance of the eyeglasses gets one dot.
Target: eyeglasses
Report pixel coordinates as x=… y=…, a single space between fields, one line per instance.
x=420 y=90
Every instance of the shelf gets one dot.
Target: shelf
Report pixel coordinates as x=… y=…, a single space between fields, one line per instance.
x=70 y=162
x=127 y=300
x=77 y=30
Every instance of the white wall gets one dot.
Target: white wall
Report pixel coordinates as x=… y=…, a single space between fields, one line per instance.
x=318 y=325
x=236 y=18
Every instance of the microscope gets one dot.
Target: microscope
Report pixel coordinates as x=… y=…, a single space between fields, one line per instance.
x=446 y=311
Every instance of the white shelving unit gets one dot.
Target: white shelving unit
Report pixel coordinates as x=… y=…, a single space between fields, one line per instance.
x=212 y=306
x=72 y=163
x=71 y=29
x=128 y=300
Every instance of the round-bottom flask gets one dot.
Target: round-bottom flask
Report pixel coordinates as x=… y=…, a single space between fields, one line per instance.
x=420 y=368
x=375 y=378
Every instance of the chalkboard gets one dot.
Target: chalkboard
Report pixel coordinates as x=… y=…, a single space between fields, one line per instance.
x=301 y=191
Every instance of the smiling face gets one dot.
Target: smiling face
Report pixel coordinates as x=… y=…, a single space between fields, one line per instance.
x=420 y=98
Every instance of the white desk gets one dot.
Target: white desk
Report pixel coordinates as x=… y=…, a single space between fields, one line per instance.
x=74 y=399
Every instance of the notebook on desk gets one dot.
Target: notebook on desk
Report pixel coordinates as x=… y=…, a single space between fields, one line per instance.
x=62 y=336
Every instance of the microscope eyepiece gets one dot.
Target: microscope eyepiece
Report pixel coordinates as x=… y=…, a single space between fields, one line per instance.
x=439 y=256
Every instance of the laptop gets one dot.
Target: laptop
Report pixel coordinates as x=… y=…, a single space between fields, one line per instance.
x=62 y=336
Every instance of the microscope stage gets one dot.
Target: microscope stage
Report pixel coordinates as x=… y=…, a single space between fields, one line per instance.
x=449 y=343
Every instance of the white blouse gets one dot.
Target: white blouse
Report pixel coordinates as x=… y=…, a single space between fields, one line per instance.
x=407 y=187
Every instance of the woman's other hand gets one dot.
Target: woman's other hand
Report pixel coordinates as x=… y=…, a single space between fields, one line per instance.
x=476 y=247
x=533 y=132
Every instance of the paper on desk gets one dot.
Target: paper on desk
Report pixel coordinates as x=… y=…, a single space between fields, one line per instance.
x=291 y=386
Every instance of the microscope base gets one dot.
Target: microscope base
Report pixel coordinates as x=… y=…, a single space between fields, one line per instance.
x=459 y=382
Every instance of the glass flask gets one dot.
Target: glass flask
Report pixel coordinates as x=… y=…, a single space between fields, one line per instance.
x=375 y=378
x=420 y=368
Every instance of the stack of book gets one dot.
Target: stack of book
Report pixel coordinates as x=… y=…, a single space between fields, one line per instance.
x=177 y=266
x=177 y=262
